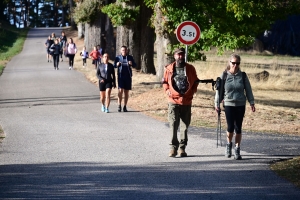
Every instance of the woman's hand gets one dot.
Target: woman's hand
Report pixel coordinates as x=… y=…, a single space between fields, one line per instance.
x=218 y=110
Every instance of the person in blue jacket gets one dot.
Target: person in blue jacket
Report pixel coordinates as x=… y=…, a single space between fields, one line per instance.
x=124 y=64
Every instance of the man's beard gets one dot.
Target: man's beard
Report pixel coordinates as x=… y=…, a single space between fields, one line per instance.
x=180 y=62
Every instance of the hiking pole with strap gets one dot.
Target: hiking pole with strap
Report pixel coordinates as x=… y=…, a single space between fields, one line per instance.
x=219 y=88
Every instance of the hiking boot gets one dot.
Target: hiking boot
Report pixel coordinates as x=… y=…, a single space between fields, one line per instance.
x=119 y=108
x=173 y=153
x=182 y=153
x=237 y=154
x=228 y=150
x=125 y=109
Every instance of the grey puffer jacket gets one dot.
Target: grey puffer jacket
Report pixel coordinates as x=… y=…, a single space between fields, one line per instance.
x=236 y=93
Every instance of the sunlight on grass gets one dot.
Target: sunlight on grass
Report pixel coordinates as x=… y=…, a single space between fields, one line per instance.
x=289 y=170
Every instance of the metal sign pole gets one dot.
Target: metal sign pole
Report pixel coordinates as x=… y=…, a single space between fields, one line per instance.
x=186 y=53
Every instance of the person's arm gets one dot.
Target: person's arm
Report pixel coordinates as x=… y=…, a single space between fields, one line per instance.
x=116 y=62
x=113 y=75
x=98 y=73
x=249 y=93
x=133 y=64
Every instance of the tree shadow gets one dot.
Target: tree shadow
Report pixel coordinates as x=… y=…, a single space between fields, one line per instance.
x=83 y=180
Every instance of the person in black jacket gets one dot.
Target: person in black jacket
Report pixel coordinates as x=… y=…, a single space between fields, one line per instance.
x=107 y=81
x=48 y=44
x=55 y=50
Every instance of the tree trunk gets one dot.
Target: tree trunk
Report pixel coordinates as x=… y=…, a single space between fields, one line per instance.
x=109 y=45
x=163 y=42
x=80 y=30
x=92 y=35
x=147 y=41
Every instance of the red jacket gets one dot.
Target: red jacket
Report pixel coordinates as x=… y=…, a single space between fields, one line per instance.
x=95 y=54
x=175 y=97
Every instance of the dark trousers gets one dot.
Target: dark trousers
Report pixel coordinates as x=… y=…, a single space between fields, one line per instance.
x=71 y=59
x=179 y=115
x=83 y=61
x=55 y=60
x=234 y=117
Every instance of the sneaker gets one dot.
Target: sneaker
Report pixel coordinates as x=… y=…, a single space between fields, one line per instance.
x=57 y=68
x=48 y=60
x=182 y=153
x=119 y=108
x=70 y=68
x=237 y=154
x=107 y=110
x=125 y=109
x=173 y=153
x=103 y=108
x=61 y=60
x=228 y=150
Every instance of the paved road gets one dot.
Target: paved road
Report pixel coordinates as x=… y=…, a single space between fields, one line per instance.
x=59 y=145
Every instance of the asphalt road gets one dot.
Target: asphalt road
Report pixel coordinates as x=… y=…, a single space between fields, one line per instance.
x=59 y=145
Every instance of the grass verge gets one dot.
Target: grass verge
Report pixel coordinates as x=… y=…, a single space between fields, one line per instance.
x=11 y=42
x=289 y=170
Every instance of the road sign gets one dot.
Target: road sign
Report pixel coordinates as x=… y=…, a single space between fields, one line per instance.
x=188 y=32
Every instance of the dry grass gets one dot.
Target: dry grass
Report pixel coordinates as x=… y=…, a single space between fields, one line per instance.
x=277 y=100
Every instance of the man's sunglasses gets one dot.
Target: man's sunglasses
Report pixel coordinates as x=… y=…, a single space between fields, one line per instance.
x=237 y=63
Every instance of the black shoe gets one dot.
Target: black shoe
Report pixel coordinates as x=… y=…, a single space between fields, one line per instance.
x=119 y=108
x=125 y=109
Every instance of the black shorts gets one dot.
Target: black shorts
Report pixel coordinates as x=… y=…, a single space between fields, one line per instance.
x=104 y=85
x=125 y=83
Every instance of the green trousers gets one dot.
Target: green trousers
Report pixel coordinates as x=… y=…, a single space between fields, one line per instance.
x=179 y=115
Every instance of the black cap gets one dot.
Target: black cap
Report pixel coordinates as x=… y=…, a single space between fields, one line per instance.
x=179 y=50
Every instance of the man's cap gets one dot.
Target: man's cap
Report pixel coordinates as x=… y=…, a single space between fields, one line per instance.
x=179 y=50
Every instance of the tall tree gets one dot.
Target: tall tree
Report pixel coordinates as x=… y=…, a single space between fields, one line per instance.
x=131 y=23
x=87 y=12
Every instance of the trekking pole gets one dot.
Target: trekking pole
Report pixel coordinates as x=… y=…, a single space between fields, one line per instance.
x=219 y=127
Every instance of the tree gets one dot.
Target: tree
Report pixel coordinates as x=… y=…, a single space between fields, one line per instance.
x=225 y=24
x=131 y=18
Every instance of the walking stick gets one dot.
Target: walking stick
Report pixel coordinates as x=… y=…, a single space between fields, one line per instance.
x=219 y=87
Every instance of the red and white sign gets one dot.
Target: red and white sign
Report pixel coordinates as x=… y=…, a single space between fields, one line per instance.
x=188 y=32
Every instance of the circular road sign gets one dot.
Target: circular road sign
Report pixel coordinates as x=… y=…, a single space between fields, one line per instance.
x=188 y=32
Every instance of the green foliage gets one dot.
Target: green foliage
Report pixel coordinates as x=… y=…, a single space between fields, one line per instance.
x=87 y=11
x=11 y=42
x=119 y=14
x=225 y=24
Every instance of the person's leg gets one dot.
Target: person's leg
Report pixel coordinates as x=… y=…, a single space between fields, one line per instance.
x=102 y=97
x=70 y=66
x=72 y=60
x=173 y=116
x=54 y=63
x=229 y=114
x=107 y=100
x=120 y=97
x=126 y=97
x=185 y=120
x=239 y=116
x=57 y=61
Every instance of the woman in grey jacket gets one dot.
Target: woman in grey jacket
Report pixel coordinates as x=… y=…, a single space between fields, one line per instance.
x=237 y=90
